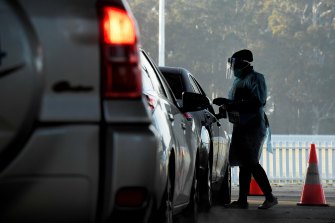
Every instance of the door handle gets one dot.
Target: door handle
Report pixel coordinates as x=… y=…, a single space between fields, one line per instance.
x=183 y=125
x=171 y=117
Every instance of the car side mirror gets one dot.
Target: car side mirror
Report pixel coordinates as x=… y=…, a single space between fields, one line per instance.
x=221 y=101
x=194 y=102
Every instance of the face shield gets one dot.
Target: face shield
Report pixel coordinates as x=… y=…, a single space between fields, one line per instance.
x=235 y=67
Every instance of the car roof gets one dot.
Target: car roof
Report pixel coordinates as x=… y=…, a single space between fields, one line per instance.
x=174 y=70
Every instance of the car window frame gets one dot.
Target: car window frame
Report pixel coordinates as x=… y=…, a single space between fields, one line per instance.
x=156 y=83
x=168 y=94
x=210 y=109
x=193 y=84
x=193 y=80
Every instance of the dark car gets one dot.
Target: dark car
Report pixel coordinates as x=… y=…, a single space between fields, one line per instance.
x=177 y=183
x=215 y=176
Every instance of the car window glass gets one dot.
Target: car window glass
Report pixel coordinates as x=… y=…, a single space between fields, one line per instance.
x=175 y=83
x=198 y=85
x=210 y=108
x=194 y=86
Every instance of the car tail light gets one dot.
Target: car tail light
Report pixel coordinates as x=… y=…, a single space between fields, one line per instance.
x=131 y=197
x=118 y=27
x=121 y=74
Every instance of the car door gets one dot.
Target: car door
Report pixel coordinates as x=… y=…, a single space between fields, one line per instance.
x=181 y=128
x=203 y=115
x=220 y=138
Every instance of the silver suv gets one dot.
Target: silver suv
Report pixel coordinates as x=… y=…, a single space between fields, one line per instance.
x=78 y=140
x=74 y=126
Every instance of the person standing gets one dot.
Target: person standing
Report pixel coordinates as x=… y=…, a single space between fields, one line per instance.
x=245 y=109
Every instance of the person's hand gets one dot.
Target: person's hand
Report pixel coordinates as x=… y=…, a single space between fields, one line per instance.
x=222 y=112
x=223 y=108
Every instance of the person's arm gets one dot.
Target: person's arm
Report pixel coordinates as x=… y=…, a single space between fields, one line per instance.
x=257 y=96
x=250 y=105
x=233 y=105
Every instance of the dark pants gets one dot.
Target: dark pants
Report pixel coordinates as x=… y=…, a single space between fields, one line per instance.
x=259 y=174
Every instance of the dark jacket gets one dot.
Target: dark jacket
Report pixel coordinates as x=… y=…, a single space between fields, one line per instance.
x=248 y=95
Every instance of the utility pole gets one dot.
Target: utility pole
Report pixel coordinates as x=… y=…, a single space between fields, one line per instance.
x=161 y=34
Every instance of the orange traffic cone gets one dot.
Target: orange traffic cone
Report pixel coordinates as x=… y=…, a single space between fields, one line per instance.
x=312 y=194
x=254 y=190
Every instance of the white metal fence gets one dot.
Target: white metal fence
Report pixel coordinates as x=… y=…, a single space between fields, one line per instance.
x=289 y=161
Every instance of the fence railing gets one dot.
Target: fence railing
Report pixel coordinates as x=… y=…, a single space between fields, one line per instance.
x=289 y=161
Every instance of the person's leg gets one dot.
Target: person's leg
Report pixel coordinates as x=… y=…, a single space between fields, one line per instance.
x=244 y=181
x=262 y=179
x=263 y=182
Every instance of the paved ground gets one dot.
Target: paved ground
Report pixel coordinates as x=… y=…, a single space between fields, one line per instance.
x=287 y=211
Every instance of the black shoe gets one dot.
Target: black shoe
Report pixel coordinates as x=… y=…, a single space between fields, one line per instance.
x=238 y=205
x=268 y=203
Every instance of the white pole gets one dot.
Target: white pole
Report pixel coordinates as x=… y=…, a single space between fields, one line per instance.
x=161 y=34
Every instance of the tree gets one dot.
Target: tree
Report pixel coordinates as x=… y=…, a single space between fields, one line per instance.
x=292 y=40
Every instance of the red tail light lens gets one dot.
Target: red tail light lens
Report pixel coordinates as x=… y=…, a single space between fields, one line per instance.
x=121 y=74
x=118 y=27
x=131 y=197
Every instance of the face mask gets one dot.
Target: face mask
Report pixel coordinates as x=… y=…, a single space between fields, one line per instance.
x=238 y=73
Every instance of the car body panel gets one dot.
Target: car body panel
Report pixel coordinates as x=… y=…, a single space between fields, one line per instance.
x=68 y=38
x=55 y=177
x=132 y=166
x=220 y=152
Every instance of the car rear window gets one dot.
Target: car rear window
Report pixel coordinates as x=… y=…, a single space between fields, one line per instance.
x=175 y=84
